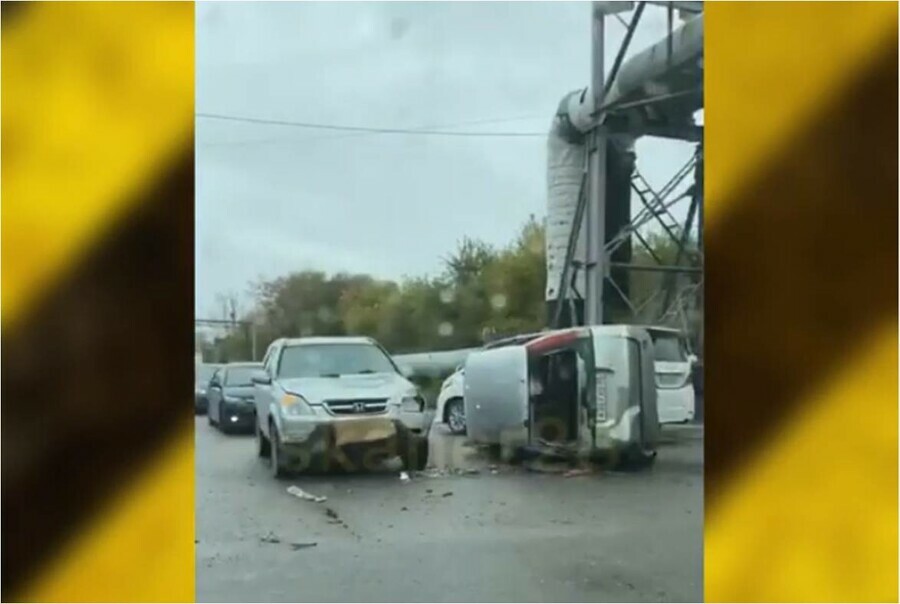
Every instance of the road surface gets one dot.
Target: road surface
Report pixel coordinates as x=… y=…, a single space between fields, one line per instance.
x=502 y=535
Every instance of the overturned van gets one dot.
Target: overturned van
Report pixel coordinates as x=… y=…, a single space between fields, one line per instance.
x=586 y=392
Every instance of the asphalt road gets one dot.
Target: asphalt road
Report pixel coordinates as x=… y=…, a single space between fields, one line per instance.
x=500 y=535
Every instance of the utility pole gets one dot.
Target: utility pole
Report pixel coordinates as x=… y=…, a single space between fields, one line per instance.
x=595 y=267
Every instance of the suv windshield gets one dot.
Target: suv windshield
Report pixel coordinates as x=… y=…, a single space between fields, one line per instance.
x=239 y=376
x=668 y=348
x=333 y=360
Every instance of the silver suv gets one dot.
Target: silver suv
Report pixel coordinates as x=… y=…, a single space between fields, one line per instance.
x=336 y=402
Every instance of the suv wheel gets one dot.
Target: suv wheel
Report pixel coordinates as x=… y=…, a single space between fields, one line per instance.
x=415 y=454
x=276 y=455
x=263 y=448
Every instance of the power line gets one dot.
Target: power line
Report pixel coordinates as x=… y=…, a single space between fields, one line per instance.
x=363 y=129
x=333 y=137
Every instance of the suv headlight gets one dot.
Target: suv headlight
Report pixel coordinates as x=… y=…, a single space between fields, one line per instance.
x=294 y=405
x=412 y=404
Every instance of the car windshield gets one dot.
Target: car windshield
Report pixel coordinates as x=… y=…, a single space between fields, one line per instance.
x=333 y=360
x=239 y=376
x=204 y=373
x=668 y=348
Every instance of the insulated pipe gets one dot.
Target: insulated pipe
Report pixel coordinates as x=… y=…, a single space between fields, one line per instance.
x=648 y=73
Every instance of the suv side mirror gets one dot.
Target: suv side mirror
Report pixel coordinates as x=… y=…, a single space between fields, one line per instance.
x=692 y=359
x=261 y=377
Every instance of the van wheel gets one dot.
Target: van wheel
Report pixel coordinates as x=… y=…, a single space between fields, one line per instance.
x=276 y=455
x=263 y=448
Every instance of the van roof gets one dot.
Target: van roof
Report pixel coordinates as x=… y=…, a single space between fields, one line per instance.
x=661 y=329
x=631 y=330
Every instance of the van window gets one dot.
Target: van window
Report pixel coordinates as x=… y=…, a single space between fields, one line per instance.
x=668 y=348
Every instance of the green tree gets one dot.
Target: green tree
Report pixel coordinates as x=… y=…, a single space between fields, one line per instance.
x=481 y=288
x=516 y=282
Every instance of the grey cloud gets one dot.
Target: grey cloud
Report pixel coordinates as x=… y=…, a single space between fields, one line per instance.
x=274 y=199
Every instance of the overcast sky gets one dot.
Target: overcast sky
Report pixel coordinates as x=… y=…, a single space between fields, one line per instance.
x=275 y=199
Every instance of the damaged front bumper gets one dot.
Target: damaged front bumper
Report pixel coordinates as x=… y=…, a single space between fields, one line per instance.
x=360 y=443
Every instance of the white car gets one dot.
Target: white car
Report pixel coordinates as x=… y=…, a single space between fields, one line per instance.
x=674 y=372
x=450 y=408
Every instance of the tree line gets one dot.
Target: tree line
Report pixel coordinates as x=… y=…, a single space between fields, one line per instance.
x=482 y=291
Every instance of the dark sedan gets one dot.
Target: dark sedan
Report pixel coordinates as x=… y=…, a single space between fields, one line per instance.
x=202 y=375
x=230 y=396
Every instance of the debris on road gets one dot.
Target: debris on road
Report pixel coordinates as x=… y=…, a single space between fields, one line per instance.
x=447 y=494
x=404 y=477
x=298 y=492
x=297 y=546
x=269 y=538
x=544 y=466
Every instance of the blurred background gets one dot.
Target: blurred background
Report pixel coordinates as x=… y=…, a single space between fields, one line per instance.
x=97 y=282
x=801 y=301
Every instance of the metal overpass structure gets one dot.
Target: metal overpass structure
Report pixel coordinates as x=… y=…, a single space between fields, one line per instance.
x=592 y=223
x=599 y=205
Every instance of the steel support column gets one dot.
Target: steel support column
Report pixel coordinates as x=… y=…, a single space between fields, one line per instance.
x=596 y=207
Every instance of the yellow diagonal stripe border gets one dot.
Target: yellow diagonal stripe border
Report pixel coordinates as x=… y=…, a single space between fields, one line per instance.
x=97 y=99
x=97 y=102
x=813 y=515
x=799 y=53
x=141 y=548
x=806 y=521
